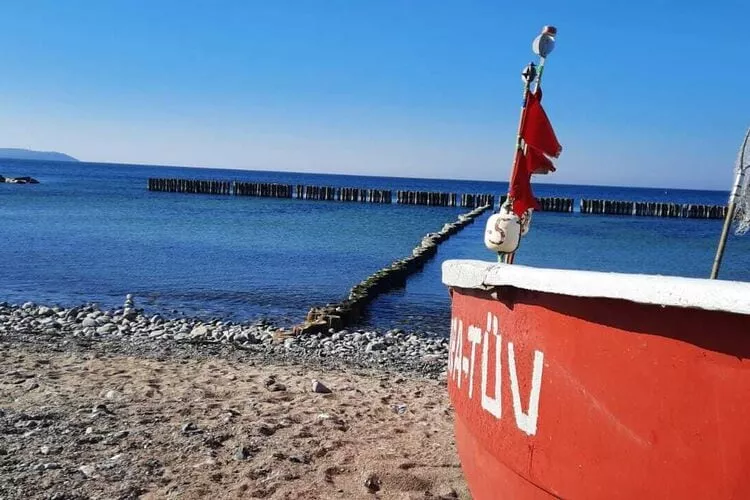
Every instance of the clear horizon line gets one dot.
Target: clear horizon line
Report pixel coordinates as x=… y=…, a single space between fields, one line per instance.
x=240 y=169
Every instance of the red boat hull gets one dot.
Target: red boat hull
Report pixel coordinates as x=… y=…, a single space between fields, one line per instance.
x=575 y=397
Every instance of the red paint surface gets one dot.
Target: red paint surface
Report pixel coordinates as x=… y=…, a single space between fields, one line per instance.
x=635 y=400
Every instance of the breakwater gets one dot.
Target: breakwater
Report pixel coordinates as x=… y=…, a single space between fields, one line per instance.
x=190 y=186
x=319 y=193
x=637 y=208
x=653 y=209
x=430 y=198
x=348 y=311
x=551 y=204
x=264 y=189
x=330 y=193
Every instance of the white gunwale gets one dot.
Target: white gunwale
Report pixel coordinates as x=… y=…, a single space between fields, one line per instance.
x=706 y=294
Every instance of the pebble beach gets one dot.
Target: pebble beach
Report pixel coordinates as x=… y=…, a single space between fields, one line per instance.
x=99 y=403
x=391 y=349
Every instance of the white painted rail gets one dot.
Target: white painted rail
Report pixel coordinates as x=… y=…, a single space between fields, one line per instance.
x=711 y=295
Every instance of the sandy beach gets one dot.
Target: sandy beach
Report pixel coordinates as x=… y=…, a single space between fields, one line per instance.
x=99 y=418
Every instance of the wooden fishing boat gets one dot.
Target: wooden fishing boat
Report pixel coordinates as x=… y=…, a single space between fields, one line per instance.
x=577 y=384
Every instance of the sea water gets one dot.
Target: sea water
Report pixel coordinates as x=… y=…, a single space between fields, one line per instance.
x=93 y=233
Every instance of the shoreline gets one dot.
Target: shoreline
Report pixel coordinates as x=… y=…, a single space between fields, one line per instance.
x=392 y=350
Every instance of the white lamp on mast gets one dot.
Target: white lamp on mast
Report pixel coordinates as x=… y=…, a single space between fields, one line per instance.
x=545 y=42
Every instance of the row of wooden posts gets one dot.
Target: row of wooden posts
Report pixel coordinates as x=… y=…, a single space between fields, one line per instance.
x=362 y=195
x=192 y=186
x=329 y=193
x=640 y=208
x=324 y=193
x=550 y=204
x=438 y=199
x=262 y=189
x=653 y=209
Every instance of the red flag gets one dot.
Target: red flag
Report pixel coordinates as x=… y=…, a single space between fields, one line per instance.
x=538 y=163
x=537 y=130
x=520 y=186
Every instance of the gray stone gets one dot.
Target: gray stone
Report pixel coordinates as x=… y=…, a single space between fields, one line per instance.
x=103 y=319
x=30 y=385
x=374 y=346
x=106 y=329
x=372 y=483
x=266 y=430
x=44 y=311
x=319 y=387
x=446 y=493
x=120 y=435
x=101 y=408
x=189 y=428
x=87 y=470
x=199 y=331
x=242 y=453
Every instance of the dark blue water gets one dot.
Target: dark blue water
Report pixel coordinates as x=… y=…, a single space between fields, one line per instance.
x=92 y=232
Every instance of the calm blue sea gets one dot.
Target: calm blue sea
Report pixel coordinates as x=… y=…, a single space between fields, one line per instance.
x=93 y=233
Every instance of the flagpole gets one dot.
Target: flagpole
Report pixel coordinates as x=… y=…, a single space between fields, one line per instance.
x=730 y=208
x=542 y=45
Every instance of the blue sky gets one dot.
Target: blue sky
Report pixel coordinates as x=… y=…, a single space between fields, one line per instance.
x=640 y=93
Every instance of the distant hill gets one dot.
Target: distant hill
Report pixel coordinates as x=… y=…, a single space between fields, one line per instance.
x=28 y=154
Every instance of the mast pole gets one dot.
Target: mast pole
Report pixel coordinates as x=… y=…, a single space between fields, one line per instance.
x=528 y=74
x=543 y=44
x=741 y=167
